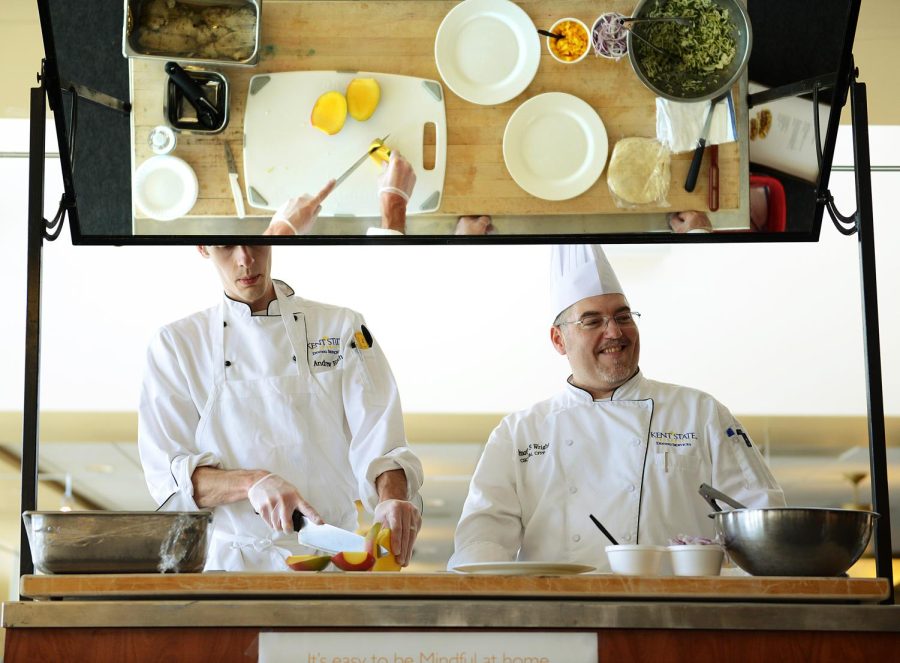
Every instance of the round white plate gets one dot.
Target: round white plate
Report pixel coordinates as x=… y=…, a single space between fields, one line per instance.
x=487 y=51
x=165 y=188
x=555 y=146
x=523 y=568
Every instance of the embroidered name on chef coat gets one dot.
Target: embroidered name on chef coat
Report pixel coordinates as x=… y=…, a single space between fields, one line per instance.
x=533 y=449
x=326 y=351
x=672 y=439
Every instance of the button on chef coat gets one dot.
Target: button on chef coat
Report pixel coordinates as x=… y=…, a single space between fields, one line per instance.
x=227 y=389
x=637 y=461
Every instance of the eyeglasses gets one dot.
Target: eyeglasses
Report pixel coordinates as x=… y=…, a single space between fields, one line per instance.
x=595 y=322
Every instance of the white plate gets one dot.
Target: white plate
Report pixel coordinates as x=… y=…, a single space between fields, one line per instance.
x=165 y=188
x=523 y=568
x=555 y=146
x=487 y=51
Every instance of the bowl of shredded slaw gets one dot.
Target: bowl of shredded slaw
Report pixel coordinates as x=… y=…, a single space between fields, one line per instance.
x=609 y=38
x=692 y=62
x=575 y=42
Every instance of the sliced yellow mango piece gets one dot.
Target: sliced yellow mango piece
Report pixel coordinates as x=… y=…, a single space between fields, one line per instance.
x=386 y=562
x=363 y=95
x=329 y=112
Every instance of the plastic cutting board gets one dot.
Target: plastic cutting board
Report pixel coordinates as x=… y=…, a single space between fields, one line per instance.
x=285 y=156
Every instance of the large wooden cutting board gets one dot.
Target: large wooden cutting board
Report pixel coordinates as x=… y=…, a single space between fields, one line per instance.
x=284 y=155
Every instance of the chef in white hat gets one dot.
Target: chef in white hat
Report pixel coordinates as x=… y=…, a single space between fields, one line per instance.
x=630 y=451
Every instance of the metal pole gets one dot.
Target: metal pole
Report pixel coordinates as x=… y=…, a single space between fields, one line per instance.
x=30 y=423
x=864 y=224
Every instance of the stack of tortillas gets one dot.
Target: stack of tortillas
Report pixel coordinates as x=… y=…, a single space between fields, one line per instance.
x=638 y=172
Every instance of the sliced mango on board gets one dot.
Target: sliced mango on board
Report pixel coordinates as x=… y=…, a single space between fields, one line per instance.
x=363 y=95
x=308 y=562
x=329 y=112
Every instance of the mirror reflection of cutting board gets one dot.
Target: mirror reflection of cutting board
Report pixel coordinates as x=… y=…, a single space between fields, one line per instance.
x=285 y=156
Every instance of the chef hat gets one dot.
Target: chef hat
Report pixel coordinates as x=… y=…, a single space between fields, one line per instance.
x=578 y=271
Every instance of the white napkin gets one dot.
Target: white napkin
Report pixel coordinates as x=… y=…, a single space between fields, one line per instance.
x=678 y=124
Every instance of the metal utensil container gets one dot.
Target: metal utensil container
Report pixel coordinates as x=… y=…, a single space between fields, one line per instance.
x=193 y=42
x=118 y=541
x=179 y=113
x=794 y=541
x=714 y=84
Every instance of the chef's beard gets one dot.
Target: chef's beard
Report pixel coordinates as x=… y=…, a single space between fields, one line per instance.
x=617 y=374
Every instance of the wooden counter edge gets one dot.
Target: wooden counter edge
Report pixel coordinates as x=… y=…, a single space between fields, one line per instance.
x=448 y=585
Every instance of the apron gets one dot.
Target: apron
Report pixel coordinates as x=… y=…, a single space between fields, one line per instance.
x=275 y=424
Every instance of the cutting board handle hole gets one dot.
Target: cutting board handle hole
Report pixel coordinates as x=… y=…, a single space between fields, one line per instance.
x=429 y=134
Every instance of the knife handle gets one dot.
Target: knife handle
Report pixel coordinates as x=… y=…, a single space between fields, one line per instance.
x=691 y=180
x=713 y=178
x=298 y=520
x=239 y=206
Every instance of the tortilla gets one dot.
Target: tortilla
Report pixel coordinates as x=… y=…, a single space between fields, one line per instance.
x=639 y=171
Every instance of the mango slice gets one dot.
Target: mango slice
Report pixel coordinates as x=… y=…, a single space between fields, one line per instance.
x=386 y=562
x=379 y=152
x=329 y=112
x=353 y=561
x=308 y=562
x=363 y=95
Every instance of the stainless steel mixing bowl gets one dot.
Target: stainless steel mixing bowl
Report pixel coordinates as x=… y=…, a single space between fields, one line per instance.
x=714 y=84
x=791 y=541
x=794 y=541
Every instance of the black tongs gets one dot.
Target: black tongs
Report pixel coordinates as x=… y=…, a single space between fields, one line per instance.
x=207 y=114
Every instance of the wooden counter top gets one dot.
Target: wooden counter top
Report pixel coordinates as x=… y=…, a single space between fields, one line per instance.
x=449 y=585
x=324 y=35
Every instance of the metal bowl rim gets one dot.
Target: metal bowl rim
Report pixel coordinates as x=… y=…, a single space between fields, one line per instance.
x=816 y=509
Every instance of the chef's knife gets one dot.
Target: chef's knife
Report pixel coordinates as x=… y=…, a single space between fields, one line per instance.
x=233 y=178
x=207 y=114
x=328 y=538
x=374 y=146
x=691 y=180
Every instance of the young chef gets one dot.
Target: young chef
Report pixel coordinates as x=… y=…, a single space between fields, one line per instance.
x=630 y=451
x=270 y=403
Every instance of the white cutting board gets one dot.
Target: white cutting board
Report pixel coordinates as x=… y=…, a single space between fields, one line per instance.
x=285 y=156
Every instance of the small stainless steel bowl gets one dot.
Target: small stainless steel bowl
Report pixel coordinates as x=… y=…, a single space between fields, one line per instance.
x=715 y=84
x=793 y=541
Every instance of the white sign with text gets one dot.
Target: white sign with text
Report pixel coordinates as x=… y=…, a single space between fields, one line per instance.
x=429 y=647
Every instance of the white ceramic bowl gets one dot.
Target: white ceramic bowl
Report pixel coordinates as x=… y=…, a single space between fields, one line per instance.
x=165 y=188
x=635 y=559
x=609 y=16
x=587 y=44
x=697 y=560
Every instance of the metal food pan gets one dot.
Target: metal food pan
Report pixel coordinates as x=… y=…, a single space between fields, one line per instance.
x=118 y=541
x=188 y=32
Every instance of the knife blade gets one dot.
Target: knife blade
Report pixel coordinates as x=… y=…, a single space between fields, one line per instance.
x=359 y=161
x=328 y=538
x=233 y=179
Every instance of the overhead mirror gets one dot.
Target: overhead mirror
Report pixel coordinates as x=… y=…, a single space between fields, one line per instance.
x=189 y=119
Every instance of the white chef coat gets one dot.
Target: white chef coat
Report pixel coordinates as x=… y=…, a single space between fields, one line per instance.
x=635 y=461
x=307 y=395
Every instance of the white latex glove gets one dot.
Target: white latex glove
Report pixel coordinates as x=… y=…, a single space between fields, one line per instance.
x=275 y=500
x=404 y=520
x=397 y=177
x=301 y=212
